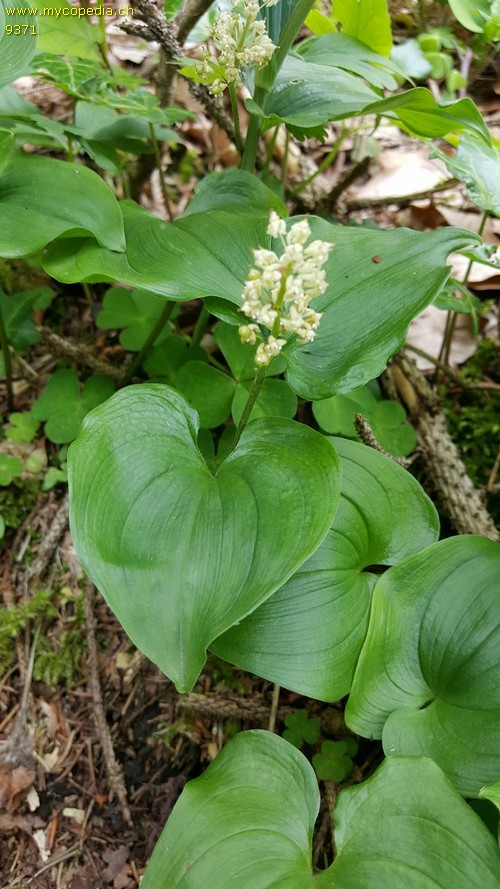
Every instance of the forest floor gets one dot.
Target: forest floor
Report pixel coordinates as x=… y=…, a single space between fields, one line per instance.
x=95 y=743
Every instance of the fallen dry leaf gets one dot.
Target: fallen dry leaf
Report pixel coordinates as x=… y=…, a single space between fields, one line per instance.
x=13 y=780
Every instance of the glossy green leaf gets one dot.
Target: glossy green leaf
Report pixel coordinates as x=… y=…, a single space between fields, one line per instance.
x=180 y=553
x=248 y=821
x=32 y=212
x=407 y=826
x=209 y=391
x=232 y=189
x=419 y=112
x=309 y=634
x=367 y=20
x=136 y=311
x=478 y=164
x=472 y=14
x=17 y=313
x=368 y=306
x=6 y=146
x=428 y=678
x=16 y=50
x=275 y=399
x=491 y=792
x=342 y=51
x=197 y=256
x=64 y=403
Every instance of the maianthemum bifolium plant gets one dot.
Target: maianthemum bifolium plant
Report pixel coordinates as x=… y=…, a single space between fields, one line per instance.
x=256 y=538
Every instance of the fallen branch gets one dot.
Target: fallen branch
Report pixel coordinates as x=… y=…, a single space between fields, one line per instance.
x=402 y=200
x=154 y=26
x=446 y=470
x=79 y=354
x=113 y=767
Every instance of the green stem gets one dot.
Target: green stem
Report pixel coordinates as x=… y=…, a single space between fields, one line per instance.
x=88 y=293
x=148 y=345
x=249 y=155
x=452 y=374
x=236 y=118
x=270 y=150
x=451 y=319
x=200 y=327
x=159 y=166
x=4 y=344
x=252 y=398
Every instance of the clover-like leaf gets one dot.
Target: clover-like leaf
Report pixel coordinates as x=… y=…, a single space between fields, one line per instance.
x=136 y=311
x=334 y=762
x=182 y=552
x=64 y=403
x=248 y=821
x=301 y=728
x=23 y=427
x=309 y=634
x=208 y=390
x=169 y=355
x=10 y=467
x=428 y=677
x=478 y=164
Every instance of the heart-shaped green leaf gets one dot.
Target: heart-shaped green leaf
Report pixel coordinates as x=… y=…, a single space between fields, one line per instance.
x=32 y=213
x=248 y=821
x=308 y=636
x=369 y=305
x=179 y=552
x=428 y=677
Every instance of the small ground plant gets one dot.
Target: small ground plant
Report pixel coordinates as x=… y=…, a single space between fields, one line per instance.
x=221 y=498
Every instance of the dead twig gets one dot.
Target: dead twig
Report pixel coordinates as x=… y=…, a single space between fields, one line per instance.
x=154 y=26
x=446 y=470
x=80 y=354
x=50 y=541
x=113 y=768
x=255 y=711
x=366 y=435
x=400 y=200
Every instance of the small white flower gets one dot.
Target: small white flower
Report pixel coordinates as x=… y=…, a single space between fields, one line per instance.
x=277 y=226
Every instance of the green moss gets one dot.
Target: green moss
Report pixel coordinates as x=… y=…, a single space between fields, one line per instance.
x=18 y=500
x=474 y=419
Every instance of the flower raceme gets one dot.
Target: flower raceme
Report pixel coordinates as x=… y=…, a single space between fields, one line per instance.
x=242 y=42
x=279 y=289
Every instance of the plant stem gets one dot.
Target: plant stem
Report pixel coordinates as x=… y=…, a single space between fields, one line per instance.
x=200 y=327
x=236 y=118
x=159 y=166
x=148 y=345
x=451 y=374
x=249 y=155
x=252 y=398
x=451 y=319
x=4 y=343
x=325 y=163
x=286 y=155
x=270 y=150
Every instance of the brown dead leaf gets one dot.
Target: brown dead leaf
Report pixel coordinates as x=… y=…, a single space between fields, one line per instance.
x=13 y=780
x=115 y=860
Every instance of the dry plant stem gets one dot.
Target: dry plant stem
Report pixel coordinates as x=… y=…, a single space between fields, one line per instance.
x=80 y=354
x=452 y=374
x=154 y=26
x=161 y=174
x=445 y=467
x=113 y=768
x=274 y=707
x=190 y=13
x=50 y=541
x=490 y=484
x=366 y=435
x=254 y=710
x=400 y=200
x=354 y=173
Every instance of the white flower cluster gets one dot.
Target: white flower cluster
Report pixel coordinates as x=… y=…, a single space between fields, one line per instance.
x=242 y=41
x=279 y=289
